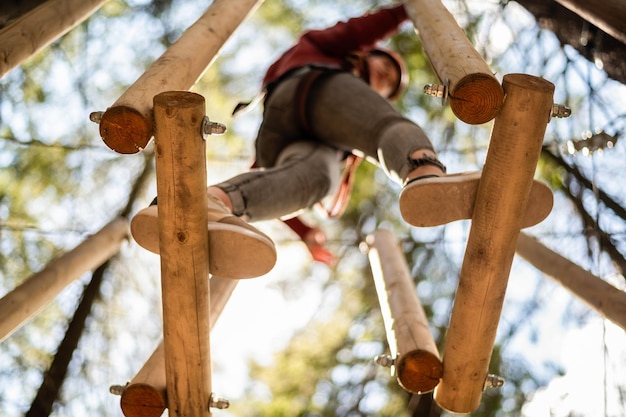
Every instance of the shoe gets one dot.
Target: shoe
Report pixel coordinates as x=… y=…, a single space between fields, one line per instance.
x=237 y=250
x=435 y=201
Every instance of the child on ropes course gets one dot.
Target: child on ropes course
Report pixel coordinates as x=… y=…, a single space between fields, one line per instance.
x=328 y=104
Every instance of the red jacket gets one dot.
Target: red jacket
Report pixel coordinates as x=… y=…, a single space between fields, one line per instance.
x=329 y=47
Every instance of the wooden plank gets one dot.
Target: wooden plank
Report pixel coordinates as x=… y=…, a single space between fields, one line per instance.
x=34 y=294
x=180 y=154
x=416 y=358
x=126 y=127
x=609 y=16
x=598 y=294
x=475 y=94
x=40 y=27
x=501 y=198
x=145 y=395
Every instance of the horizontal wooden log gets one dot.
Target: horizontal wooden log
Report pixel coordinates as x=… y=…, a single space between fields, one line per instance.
x=145 y=395
x=39 y=28
x=126 y=127
x=474 y=93
x=34 y=294
x=598 y=294
x=416 y=358
x=501 y=198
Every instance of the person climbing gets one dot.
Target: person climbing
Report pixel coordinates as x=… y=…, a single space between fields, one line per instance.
x=328 y=103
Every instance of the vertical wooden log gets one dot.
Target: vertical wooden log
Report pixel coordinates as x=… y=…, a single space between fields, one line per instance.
x=500 y=203
x=41 y=288
x=592 y=290
x=180 y=154
x=126 y=127
x=40 y=27
x=475 y=94
x=416 y=358
x=145 y=395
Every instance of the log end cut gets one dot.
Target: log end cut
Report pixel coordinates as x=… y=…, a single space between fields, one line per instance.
x=477 y=98
x=142 y=400
x=125 y=130
x=419 y=371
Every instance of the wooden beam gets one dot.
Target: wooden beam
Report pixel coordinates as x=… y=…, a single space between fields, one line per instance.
x=598 y=294
x=501 y=198
x=416 y=359
x=26 y=300
x=180 y=154
x=145 y=395
x=609 y=17
x=39 y=28
x=126 y=126
x=475 y=94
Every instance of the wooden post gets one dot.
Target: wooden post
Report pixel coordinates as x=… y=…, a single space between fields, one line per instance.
x=475 y=94
x=126 y=127
x=41 y=288
x=416 y=358
x=496 y=222
x=40 y=27
x=145 y=395
x=180 y=154
x=592 y=290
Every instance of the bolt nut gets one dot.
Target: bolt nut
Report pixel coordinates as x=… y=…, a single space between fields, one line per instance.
x=384 y=360
x=117 y=389
x=218 y=402
x=493 y=381
x=435 y=90
x=96 y=116
x=560 y=111
x=212 y=128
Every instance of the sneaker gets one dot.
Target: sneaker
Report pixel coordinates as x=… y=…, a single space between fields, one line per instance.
x=435 y=201
x=237 y=249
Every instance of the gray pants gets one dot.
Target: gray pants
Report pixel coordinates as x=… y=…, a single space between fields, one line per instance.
x=296 y=171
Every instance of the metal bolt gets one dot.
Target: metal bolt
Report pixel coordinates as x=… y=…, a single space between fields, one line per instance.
x=218 y=402
x=384 y=360
x=435 y=90
x=493 y=381
x=117 y=389
x=561 y=111
x=96 y=116
x=212 y=128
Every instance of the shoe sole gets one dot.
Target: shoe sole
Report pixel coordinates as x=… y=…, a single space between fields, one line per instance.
x=234 y=252
x=442 y=200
